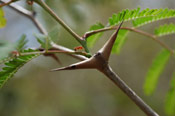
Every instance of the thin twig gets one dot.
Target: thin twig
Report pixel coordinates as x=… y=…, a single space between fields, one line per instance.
x=39 y=26
x=54 y=15
x=99 y=61
x=131 y=29
x=6 y=3
x=54 y=51
x=154 y=37
x=115 y=78
x=60 y=21
x=27 y=13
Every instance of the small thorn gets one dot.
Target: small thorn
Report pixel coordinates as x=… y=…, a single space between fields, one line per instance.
x=107 y=48
x=54 y=57
x=70 y=67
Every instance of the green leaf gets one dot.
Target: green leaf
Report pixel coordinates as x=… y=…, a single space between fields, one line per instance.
x=45 y=41
x=5 y=49
x=155 y=70
x=121 y=38
x=2 y=19
x=93 y=38
x=141 y=17
x=21 y=43
x=162 y=14
x=13 y=66
x=165 y=29
x=124 y=15
x=127 y=15
x=170 y=99
x=41 y=38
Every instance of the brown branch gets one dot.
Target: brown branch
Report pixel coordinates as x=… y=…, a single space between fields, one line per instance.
x=87 y=34
x=31 y=15
x=54 y=51
x=128 y=91
x=6 y=3
x=58 y=19
x=99 y=61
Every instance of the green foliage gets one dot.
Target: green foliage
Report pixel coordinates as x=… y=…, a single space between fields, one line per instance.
x=163 y=14
x=124 y=15
x=93 y=38
x=121 y=38
x=141 y=17
x=21 y=43
x=13 y=66
x=2 y=19
x=42 y=39
x=165 y=29
x=5 y=49
x=155 y=70
x=45 y=41
x=170 y=99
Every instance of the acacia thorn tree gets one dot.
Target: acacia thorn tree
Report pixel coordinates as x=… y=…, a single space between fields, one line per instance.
x=14 y=56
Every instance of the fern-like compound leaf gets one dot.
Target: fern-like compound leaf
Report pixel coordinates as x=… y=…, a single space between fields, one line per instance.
x=165 y=29
x=45 y=40
x=162 y=14
x=21 y=43
x=155 y=70
x=6 y=49
x=140 y=18
x=170 y=99
x=12 y=66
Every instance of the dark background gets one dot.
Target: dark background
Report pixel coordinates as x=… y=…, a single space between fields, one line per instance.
x=34 y=91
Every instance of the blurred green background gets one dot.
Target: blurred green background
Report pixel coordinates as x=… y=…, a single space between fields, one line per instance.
x=34 y=91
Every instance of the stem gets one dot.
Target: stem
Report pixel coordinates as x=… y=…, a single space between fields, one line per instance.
x=29 y=14
x=108 y=71
x=39 y=26
x=134 y=30
x=128 y=91
x=54 y=51
x=6 y=3
x=60 y=21
x=154 y=37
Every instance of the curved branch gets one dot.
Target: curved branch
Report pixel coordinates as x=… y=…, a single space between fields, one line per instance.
x=60 y=21
x=105 y=68
x=31 y=15
x=87 y=34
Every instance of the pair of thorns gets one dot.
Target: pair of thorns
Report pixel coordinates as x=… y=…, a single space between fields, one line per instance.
x=99 y=60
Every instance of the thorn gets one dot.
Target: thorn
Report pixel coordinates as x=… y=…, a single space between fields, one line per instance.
x=54 y=57
x=107 y=48
x=97 y=61
x=51 y=55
